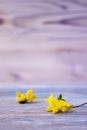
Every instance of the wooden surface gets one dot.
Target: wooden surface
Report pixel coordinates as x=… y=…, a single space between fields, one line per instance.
x=33 y=116
x=43 y=40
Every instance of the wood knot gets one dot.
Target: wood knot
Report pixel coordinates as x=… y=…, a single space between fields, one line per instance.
x=1 y=21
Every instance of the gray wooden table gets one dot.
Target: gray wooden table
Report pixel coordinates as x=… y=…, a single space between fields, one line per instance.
x=33 y=116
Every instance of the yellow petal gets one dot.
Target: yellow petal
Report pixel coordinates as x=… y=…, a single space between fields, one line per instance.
x=20 y=97
x=27 y=96
x=69 y=105
x=63 y=103
x=53 y=102
x=51 y=95
x=49 y=109
x=20 y=100
x=18 y=94
x=63 y=109
x=29 y=92
x=49 y=98
x=31 y=99
x=55 y=110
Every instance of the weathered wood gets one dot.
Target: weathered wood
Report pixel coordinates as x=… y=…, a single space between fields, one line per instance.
x=33 y=116
x=43 y=40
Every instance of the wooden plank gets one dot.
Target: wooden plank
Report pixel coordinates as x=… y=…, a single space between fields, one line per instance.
x=33 y=116
x=43 y=40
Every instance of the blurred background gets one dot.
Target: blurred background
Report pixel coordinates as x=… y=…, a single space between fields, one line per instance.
x=43 y=41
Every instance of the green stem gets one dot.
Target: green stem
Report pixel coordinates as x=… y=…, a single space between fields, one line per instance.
x=80 y=105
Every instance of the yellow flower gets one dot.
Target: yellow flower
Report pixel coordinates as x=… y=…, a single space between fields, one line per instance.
x=27 y=97
x=20 y=97
x=30 y=95
x=56 y=105
x=63 y=109
x=49 y=98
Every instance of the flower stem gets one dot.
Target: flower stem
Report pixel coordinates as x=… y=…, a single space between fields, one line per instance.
x=80 y=105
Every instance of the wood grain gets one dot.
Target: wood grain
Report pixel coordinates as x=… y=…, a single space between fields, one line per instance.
x=33 y=116
x=43 y=40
